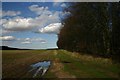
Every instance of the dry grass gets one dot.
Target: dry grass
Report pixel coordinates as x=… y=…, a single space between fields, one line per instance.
x=16 y=64
x=90 y=58
x=57 y=68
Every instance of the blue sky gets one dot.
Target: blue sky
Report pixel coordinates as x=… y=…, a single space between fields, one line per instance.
x=31 y=25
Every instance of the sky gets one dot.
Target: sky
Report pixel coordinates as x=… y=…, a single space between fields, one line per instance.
x=31 y=25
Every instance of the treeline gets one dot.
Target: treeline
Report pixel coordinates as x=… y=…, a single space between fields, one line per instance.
x=92 y=28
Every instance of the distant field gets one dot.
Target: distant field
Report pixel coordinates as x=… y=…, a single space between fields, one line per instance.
x=64 y=64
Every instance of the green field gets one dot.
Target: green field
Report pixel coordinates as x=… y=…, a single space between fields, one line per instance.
x=65 y=64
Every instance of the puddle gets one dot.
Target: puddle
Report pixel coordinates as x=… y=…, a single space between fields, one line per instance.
x=40 y=68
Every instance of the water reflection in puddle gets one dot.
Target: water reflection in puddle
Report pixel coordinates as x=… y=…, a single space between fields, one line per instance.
x=40 y=68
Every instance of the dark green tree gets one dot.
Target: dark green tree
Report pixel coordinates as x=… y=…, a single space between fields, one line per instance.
x=115 y=9
x=86 y=29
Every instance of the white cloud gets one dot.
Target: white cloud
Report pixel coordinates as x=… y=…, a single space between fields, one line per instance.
x=34 y=39
x=40 y=10
x=6 y=32
x=63 y=5
x=65 y=13
x=26 y=42
x=27 y=39
x=24 y=24
x=31 y=40
x=53 y=28
x=18 y=24
x=43 y=42
x=7 y=38
x=3 y=21
x=44 y=18
x=10 y=13
x=45 y=15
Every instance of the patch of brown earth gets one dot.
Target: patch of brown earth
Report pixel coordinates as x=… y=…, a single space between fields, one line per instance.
x=19 y=66
x=57 y=68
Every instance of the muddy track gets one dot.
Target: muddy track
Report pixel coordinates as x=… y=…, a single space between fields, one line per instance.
x=23 y=64
x=57 y=68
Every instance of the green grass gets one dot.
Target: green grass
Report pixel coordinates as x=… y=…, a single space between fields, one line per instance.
x=90 y=69
x=16 y=64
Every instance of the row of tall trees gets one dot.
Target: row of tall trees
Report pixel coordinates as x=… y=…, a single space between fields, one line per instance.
x=115 y=43
x=92 y=28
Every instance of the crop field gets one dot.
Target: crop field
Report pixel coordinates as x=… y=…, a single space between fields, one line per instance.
x=64 y=64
